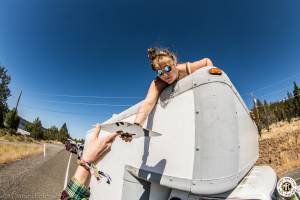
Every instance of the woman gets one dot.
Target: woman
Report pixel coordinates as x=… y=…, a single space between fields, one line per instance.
x=164 y=63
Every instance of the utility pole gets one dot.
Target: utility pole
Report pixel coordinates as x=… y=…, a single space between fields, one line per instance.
x=256 y=110
x=18 y=100
x=255 y=104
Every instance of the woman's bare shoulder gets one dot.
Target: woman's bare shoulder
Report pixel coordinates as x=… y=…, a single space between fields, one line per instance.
x=182 y=70
x=181 y=67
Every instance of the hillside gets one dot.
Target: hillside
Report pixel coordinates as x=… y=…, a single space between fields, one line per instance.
x=280 y=147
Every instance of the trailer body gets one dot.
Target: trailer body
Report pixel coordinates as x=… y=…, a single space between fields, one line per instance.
x=209 y=143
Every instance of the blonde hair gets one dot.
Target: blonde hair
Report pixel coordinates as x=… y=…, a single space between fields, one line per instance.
x=160 y=55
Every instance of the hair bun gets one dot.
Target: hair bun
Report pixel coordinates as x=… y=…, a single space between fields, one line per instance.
x=151 y=53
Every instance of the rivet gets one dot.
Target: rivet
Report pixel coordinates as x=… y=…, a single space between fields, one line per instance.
x=148 y=176
x=170 y=179
x=197 y=148
x=195 y=84
x=197 y=112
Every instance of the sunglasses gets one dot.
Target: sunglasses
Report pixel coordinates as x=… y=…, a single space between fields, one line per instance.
x=162 y=71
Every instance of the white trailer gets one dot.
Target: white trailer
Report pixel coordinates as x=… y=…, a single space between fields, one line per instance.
x=208 y=148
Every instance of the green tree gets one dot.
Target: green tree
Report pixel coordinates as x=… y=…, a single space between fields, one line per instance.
x=4 y=93
x=63 y=133
x=28 y=127
x=290 y=107
x=267 y=113
x=12 y=119
x=82 y=141
x=256 y=114
x=266 y=117
x=52 y=133
x=36 y=129
x=296 y=93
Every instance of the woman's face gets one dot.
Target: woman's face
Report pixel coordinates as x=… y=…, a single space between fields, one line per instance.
x=167 y=71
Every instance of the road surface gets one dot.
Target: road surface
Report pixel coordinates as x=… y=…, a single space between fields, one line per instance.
x=295 y=174
x=37 y=177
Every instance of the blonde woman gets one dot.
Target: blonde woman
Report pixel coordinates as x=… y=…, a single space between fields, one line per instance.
x=164 y=64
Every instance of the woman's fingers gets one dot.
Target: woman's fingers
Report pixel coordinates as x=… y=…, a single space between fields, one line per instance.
x=127 y=137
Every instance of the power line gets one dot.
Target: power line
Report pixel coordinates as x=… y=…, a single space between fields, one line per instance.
x=86 y=96
x=18 y=100
x=270 y=85
x=285 y=99
x=87 y=104
x=274 y=92
x=62 y=112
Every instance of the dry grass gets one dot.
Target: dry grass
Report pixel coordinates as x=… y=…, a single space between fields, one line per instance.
x=17 y=138
x=290 y=166
x=281 y=128
x=12 y=152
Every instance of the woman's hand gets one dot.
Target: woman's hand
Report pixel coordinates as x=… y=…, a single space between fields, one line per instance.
x=96 y=146
x=127 y=137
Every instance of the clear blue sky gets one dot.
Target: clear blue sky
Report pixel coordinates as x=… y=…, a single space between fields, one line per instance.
x=98 y=48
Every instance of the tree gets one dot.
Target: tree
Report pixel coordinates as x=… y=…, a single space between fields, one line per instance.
x=82 y=141
x=290 y=107
x=296 y=93
x=12 y=119
x=28 y=127
x=4 y=93
x=267 y=113
x=52 y=133
x=36 y=129
x=63 y=133
x=256 y=114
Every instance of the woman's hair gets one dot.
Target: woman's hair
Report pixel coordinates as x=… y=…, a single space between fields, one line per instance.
x=158 y=55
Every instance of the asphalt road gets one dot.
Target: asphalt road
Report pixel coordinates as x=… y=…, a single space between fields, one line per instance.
x=295 y=174
x=37 y=177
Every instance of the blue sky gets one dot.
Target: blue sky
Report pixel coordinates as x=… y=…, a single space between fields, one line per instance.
x=79 y=48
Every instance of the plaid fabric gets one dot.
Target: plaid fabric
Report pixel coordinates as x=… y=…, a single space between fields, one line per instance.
x=75 y=191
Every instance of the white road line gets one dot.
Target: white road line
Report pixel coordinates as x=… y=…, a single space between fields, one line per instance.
x=67 y=172
x=44 y=150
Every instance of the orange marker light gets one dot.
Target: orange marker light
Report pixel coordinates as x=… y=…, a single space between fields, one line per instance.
x=215 y=71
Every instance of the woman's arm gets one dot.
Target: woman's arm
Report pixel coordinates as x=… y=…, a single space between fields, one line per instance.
x=148 y=104
x=200 y=63
x=183 y=68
